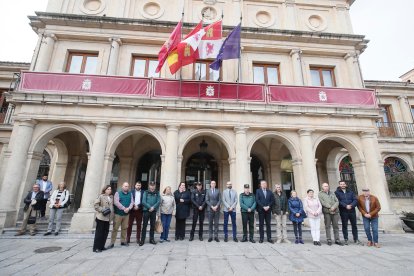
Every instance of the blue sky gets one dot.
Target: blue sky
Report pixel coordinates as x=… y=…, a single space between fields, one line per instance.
x=388 y=24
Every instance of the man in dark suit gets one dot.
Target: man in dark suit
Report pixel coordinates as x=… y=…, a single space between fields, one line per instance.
x=213 y=201
x=33 y=204
x=136 y=212
x=265 y=200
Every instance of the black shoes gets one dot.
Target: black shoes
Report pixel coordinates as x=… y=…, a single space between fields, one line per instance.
x=252 y=241
x=216 y=239
x=200 y=238
x=124 y=244
x=181 y=238
x=235 y=240
x=110 y=246
x=345 y=242
x=47 y=234
x=152 y=242
x=244 y=239
x=176 y=238
x=338 y=242
x=56 y=233
x=97 y=251
x=260 y=241
x=225 y=239
x=141 y=243
x=210 y=239
x=329 y=242
x=191 y=238
x=270 y=241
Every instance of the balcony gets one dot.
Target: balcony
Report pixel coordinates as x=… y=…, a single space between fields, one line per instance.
x=3 y=112
x=394 y=129
x=149 y=88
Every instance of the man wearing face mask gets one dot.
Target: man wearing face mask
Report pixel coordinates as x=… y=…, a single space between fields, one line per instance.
x=230 y=202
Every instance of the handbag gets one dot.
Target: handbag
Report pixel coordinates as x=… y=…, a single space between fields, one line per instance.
x=158 y=226
x=31 y=219
x=106 y=211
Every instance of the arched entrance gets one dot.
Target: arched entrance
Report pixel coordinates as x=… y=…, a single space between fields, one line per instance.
x=346 y=171
x=149 y=169
x=257 y=171
x=201 y=167
x=44 y=166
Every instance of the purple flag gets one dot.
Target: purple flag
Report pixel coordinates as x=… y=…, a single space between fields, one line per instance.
x=230 y=48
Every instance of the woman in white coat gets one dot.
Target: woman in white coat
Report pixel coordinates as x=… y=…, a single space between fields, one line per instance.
x=313 y=209
x=58 y=202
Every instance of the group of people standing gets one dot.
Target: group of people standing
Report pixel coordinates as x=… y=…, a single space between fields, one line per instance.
x=36 y=202
x=133 y=205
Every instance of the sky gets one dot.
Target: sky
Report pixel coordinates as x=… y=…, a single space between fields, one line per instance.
x=388 y=24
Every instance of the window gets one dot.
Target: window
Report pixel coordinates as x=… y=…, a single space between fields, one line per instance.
x=202 y=71
x=322 y=76
x=266 y=73
x=412 y=111
x=144 y=67
x=84 y=63
x=385 y=114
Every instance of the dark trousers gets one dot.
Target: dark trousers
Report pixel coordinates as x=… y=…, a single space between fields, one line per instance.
x=297 y=228
x=197 y=216
x=233 y=223
x=134 y=215
x=213 y=217
x=351 y=216
x=179 y=228
x=248 y=218
x=265 y=216
x=151 y=217
x=101 y=234
x=43 y=204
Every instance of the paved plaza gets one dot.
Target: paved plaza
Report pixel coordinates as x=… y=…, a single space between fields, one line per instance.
x=74 y=256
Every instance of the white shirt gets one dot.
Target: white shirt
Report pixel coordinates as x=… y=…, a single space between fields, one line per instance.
x=367 y=201
x=44 y=185
x=34 y=195
x=137 y=197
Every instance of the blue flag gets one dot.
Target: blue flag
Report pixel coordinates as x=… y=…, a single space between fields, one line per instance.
x=230 y=48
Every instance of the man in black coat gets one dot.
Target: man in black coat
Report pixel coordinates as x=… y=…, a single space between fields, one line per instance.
x=264 y=200
x=198 y=198
x=33 y=204
x=347 y=203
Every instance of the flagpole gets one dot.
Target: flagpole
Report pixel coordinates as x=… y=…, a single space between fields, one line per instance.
x=239 y=63
x=219 y=79
x=199 y=67
x=182 y=20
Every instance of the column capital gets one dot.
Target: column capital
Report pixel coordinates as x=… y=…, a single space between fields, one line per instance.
x=109 y=157
x=290 y=3
x=26 y=122
x=402 y=97
x=35 y=155
x=116 y=40
x=173 y=127
x=180 y=158
x=102 y=125
x=295 y=52
x=162 y=156
x=296 y=162
x=241 y=129
x=51 y=35
x=368 y=134
x=232 y=160
x=305 y=131
x=352 y=54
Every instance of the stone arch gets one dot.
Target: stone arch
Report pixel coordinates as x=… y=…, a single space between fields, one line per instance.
x=406 y=161
x=119 y=137
x=287 y=141
x=354 y=151
x=211 y=133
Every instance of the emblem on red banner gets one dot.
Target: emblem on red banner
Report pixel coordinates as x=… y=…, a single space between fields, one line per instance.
x=87 y=84
x=322 y=96
x=210 y=91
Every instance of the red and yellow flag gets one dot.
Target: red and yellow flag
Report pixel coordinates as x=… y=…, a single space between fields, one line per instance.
x=169 y=45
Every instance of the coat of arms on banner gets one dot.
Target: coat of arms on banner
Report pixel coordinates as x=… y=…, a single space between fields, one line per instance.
x=210 y=91
x=322 y=96
x=87 y=84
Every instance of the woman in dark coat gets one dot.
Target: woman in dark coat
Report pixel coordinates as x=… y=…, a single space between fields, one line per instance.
x=182 y=202
x=296 y=215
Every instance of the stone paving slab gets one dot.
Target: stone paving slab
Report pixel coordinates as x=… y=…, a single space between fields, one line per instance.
x=17 y=257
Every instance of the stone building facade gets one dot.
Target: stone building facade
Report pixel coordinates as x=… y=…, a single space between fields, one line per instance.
x=89 y=136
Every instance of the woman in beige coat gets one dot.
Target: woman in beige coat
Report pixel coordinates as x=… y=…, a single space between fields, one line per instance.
x=104 y=201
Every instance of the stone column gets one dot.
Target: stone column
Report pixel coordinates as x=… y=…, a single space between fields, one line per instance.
x=71 y=170
x=232 y=164
x=125 y=166
x=341 y=13
x=299 y=185
x=290 y=18
x=275 y=171
x=355 y=76
x=242 y=159
x=45 y=52
x=108 y=163
x=405 y=109
x=171 y=158
x=36 y=51
x=297 y=68
x=308 y=161
x=15 y=169
x=180 y=168
x=114 y=56
x=377 y=182
x=82 y=221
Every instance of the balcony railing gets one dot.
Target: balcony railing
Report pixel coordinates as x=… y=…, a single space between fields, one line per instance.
x=63 y=83
x=394 y=129
x=3 y=112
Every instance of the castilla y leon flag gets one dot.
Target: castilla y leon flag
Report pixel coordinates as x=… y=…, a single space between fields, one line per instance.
x=186 y=51
x=170 y=44
x=211 y=42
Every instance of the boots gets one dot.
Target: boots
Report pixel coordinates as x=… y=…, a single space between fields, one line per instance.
x=244 y=239
x=191 y=237
x=297 y=240
x=300 y=240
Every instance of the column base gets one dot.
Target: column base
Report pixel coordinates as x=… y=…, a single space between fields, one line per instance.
x=7 y=219
x=391 y=223
x=82 y=222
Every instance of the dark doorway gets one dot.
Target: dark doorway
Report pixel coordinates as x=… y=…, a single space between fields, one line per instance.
x=80 y=181
x=44 y=165
x=346 y=171
x=149 y=169
x=257 y=172
x=201 y=167
x=114 y=174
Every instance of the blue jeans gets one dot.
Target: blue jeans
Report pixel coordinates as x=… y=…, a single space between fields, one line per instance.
x=166 y=221
x=233 y=223
x=369 y=224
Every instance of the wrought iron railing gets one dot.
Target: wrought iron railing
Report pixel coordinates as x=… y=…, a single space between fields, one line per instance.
x=394 y=129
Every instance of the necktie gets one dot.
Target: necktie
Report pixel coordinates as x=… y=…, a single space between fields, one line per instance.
x=230 y=195
x=264 y=192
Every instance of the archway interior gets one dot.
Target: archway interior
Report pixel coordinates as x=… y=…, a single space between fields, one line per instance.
x=137 y=158
x=205 y=158
x=271 y=160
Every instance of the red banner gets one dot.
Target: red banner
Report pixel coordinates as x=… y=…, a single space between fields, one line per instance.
x=322 y=96
x=208 y=90
x=79 y=83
